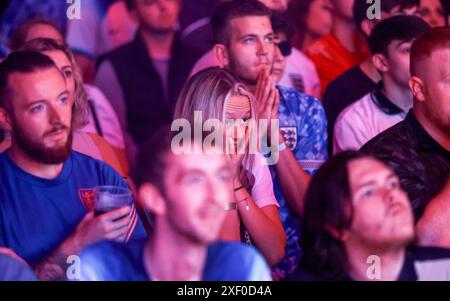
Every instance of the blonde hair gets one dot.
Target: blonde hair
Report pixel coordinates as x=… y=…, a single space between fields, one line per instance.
x=208 y=92
x=80 y=113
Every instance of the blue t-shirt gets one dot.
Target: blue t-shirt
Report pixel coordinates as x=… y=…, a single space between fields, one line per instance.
x=37 y=215
x=226 y=261
x=304 y=128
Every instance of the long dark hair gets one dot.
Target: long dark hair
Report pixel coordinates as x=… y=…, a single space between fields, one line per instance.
x=328 y=204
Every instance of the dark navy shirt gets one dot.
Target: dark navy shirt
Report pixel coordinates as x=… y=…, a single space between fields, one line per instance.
x=420 y=264
x=37 y=215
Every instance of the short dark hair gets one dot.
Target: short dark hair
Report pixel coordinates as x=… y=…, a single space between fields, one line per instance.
x=22 y=62
x=328 y=204
x=360 y=8
x=281 y=23
x=151 y=161
x=402 y=28
x=230 y=10
x=435 y=39
x=19 y=36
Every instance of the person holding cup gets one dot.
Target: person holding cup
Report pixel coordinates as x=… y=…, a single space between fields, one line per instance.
x=46 y=189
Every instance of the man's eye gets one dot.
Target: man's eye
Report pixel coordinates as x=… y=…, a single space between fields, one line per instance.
x=367 y=193
x=249 y=40
x=225 y=177
x=270 y=39
x=37 y=108
x=64 y=100
x=393 y=184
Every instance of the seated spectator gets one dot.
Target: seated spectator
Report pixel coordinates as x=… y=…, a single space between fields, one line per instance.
x=300 y=72
x=417 y=149
x=358 y=225
x=215 y=93
x=142 y=79
x=17 y=12
x=338 y=51
x=102 y=119
x=360 y=80
x=188 y=195
x=390 y=44
x=104 y=26
x=13 y=268
x=46 y=189
x=433 y=12
x=195 y=17
x=312 y=20
x=246 y=47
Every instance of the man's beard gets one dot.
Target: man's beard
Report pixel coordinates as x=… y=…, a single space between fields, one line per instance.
x=39 y=152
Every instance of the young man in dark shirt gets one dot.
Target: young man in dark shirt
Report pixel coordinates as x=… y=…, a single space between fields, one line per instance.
x=418 y=148
x=358 y=225
x=361 y=79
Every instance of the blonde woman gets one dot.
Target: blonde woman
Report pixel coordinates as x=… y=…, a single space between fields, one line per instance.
x=253 y=216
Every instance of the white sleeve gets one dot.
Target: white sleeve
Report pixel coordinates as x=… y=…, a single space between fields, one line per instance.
x=348 y=134
x=262 y=191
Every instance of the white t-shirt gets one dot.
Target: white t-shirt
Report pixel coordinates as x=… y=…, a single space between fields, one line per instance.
x=109 y=123
x=300 y=72
x=262 y=191
x=360 y=122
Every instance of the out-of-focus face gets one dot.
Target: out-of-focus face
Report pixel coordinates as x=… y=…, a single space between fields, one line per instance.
x=382 y=215
x=198 y=187
x=343 y=8
x=275 y=4
x=63 y=63
x=251 y=47
x=436 y=81
x=279 y=61
x=319 y=19
x=432 y=12
x=157 y=15
x=398 y=62
x=237 y=122
x=42 y=115
x=44 y=31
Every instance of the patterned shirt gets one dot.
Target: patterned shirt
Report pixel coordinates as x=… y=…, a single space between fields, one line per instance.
x=304 y=128
x=422 y=164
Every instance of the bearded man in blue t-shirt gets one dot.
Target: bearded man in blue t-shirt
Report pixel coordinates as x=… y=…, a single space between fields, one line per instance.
x=46 y=189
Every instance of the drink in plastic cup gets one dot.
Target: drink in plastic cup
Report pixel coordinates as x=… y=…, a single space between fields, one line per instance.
x=109 y=198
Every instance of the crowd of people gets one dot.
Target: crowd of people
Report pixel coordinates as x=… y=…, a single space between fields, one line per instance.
x=259 y=140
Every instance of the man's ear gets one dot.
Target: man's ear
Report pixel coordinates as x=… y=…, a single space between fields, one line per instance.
x=5 y=120
x=221 y=54
x=380 y=62
x=417 y=87
x=151 y=199
x=367 y=26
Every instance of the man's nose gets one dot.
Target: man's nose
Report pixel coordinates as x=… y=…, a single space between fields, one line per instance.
x=55 y=115
x=262 y=48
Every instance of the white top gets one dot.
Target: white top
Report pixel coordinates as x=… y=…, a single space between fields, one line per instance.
x=109 y=123
x=262 y=191
x=299 y=71
x=360 y=122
